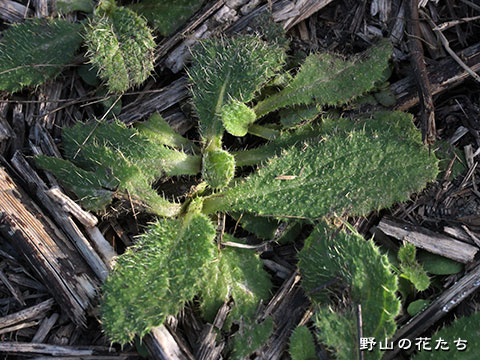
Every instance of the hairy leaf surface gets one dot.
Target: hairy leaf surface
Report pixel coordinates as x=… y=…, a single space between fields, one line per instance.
x=120 y=45
x=366 y=275
x=36 y=50
x=250 y=338
x=302 y=346
x=123 y=157
x=366 y=168
x=158 y=130
x=411 y=269
x=229 y=69
x=94 y=189
x=155 y=277
x=238 y=272
x=328 y=79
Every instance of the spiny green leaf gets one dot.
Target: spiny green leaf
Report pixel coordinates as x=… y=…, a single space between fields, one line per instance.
x=94 y=189
x=130 y=160
x=299 y=114
x=411 y=269
x=302 y=346
x=250 y=338
x=112 y=105
x=156 y=129
x=164 y=15
x=236 y=117
x=155 y=277
x=85 y=145
x=465 y=328
x=218 y=168
x=238 y=272
x=328 y=79
x=120 y=46
x=361 y=170
x=275 y=147
x=445 y=154
x=263 y=228
x=228 y=69
x=36 y=50
x=88 y=75
x=358 y=265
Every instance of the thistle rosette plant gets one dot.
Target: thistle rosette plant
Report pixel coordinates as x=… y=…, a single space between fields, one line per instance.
x=309 y=169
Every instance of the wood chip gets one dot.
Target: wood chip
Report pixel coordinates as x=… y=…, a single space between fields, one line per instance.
x=44 y=328
x=26 y=314
x=47 y=249
x=13 y=290
x=163 y=346
x=428 y=240
x=12 y=11
x=72 y=207
x=61 y=217
x=18 y=348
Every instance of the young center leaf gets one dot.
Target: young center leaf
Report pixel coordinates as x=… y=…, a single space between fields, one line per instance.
x=156 y=276
x=356 y=168
x=354 y=265
x=329 y=79
x=229 y=70
x=36 y=50
x=120 y=46
x=157 y=129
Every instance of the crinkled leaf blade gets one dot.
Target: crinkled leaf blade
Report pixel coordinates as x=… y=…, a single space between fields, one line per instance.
x=356 y=171
x=302 y=346
x=465 y=329
x=94 y=189
x=229 y=69
x=350 y=262
x=328 y=79
x=240 y=273
x=120 y=46
x=154 y=278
